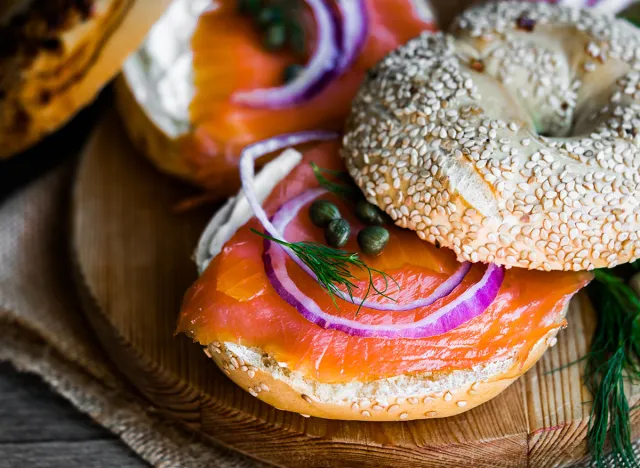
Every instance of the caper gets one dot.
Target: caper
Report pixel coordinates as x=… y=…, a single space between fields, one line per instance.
x=269 y=16
x=322 y=212
x=337 y=232
x=249 y=7
x=370 y=214
x=291 y=72
x=373 y=239
x=275 y=37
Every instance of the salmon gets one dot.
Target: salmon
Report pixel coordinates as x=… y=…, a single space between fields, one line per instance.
x=234 y=301
x=228 y=56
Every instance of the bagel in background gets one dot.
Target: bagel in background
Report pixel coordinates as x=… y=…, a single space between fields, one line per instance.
x=175 y=93
x=56 y=55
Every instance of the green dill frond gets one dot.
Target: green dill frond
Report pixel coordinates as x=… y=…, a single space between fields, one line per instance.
x=612 y=359
x=333 y=268
x=345 y=189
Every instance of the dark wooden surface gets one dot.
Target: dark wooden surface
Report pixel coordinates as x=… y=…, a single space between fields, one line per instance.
x=37 y=427
x=40 y=429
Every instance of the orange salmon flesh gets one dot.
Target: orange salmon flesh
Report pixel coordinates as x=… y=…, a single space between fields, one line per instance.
x=234 y=301
x=228 y=56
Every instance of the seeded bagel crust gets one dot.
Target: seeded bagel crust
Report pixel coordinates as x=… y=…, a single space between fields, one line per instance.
x=446 y=137
x=55 y=56
x=400 y=398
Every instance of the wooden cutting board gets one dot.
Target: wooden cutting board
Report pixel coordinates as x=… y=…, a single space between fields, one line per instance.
x=133 y=258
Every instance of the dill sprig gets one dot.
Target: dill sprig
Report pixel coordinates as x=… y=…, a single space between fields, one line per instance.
x=612 y=359
x=345 y=189
x=333 y=268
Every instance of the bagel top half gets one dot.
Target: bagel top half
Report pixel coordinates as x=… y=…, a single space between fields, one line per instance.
x=56 y=55
x=512 y=140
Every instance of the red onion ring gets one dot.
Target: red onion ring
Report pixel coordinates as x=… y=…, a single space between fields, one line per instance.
x=355 y=26
x=247 y=171
x=317 y=74
x=290 y=210
x=465 y=307
x=470 y=304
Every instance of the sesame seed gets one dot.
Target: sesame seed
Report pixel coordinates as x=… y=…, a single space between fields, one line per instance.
x=443 y=127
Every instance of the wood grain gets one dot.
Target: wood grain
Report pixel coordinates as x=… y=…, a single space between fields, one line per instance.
x=40 y=429
x=133 y=262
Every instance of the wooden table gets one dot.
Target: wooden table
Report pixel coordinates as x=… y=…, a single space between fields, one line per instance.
x=40 y=429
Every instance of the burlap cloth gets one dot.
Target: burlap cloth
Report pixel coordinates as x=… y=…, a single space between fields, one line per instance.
x=43 y=331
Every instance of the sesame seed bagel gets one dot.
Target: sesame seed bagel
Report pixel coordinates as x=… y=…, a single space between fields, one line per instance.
x=55 y=56
x=513 y=140
x=405 y=397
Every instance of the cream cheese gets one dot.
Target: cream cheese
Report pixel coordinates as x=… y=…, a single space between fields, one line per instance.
x=160 y=73
x=236 y=212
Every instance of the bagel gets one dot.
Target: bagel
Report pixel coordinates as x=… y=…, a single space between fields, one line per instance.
x=513 y=140
x=56 y=55
x=266 y=345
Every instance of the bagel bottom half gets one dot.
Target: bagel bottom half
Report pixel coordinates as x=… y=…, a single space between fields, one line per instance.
x=403 y=397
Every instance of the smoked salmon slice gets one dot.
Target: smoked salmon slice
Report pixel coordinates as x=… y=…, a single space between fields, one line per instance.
x=233 y=301
x=229 y=55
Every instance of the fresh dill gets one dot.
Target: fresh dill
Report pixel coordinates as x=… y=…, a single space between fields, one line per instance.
x=612 y=359
x=345 y=189
x=333 y=268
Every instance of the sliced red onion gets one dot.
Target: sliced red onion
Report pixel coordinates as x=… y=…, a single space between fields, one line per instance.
x=465 y=307
x=290 y=210
x=355 y=25
x=317 y=74
x=247 y=171
x=468 y=305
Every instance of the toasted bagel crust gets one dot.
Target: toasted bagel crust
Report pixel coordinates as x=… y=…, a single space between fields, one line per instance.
x=265 y=379
x=76 y=53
